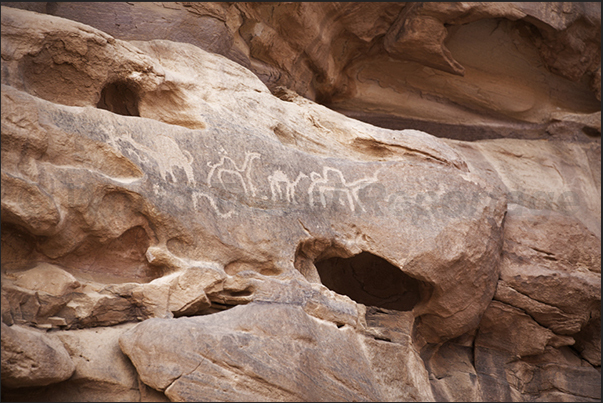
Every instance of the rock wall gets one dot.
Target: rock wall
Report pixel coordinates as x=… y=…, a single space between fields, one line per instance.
x=189 y=214
x=466 y=71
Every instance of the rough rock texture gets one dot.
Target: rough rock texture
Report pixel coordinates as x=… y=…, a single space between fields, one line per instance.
x=102 y=371
x=31 y=358
x=457 y=70
x=274 y=249
x=247 y=354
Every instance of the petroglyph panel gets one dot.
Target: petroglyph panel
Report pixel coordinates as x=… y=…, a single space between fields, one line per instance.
x=377 y=189
x=332 y=181
x=227 y=173
x=164 y=151
x=316 y=190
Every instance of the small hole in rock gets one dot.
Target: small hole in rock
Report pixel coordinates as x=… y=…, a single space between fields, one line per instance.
x=243 y=293
x=371 y=280
x=591 y=131
x=119 y=97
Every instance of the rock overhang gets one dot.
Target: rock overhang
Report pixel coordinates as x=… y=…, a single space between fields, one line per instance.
x=222 y=196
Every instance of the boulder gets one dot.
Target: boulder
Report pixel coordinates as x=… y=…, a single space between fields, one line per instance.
x=47 y=278
x=102 y=372
x=267 y=352
x=32 y=358
x=215 y=219
x=551 y=269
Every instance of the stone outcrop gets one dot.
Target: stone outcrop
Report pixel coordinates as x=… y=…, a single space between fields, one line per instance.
x=179 y=224
x=247 y=353
x=457 y=70
x=31 y=358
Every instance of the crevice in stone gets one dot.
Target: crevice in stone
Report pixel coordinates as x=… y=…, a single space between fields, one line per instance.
x=371 y=280
x=119 y=97
x=383 y=150
x=548 y=255
x=591 y=131
x=215 y=307
x=381 y=338
x=531 y=297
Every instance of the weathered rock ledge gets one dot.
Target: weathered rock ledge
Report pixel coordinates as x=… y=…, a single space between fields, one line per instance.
x=175 y=229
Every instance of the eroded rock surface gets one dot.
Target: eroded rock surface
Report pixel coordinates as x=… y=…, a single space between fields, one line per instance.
x=31 y=358
x=267 y=352
x=272 y=248
x=457 y=70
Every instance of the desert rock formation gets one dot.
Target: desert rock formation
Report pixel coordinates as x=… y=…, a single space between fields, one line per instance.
x=188 y=213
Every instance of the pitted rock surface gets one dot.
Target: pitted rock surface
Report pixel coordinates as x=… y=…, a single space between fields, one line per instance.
x=188 y=217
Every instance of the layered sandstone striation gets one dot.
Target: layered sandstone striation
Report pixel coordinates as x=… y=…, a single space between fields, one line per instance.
x=186 y=215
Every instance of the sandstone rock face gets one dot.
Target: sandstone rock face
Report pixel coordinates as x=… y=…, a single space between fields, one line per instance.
x=30 y=358
x=247 y=354
x=186 y=226
x=99 y=370
x=458 y=70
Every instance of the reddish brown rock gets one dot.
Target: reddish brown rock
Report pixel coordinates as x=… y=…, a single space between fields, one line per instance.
x=525 y=61
x=521 y=360
x=551 y=269
x=147 y=180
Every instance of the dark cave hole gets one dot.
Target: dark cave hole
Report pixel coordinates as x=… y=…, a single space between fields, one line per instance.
x=119 y=97
x=591 y=131
x=371 y=280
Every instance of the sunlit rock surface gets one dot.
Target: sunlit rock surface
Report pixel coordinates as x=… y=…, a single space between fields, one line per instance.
x=185 y=216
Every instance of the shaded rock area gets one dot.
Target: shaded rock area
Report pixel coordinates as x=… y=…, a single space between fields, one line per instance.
x=534 y=68
x=186 y=215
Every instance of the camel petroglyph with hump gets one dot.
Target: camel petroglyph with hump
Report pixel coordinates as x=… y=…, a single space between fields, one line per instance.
x=332 y=180
x=166 y=153
x=279 y=177
x=228 y=166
